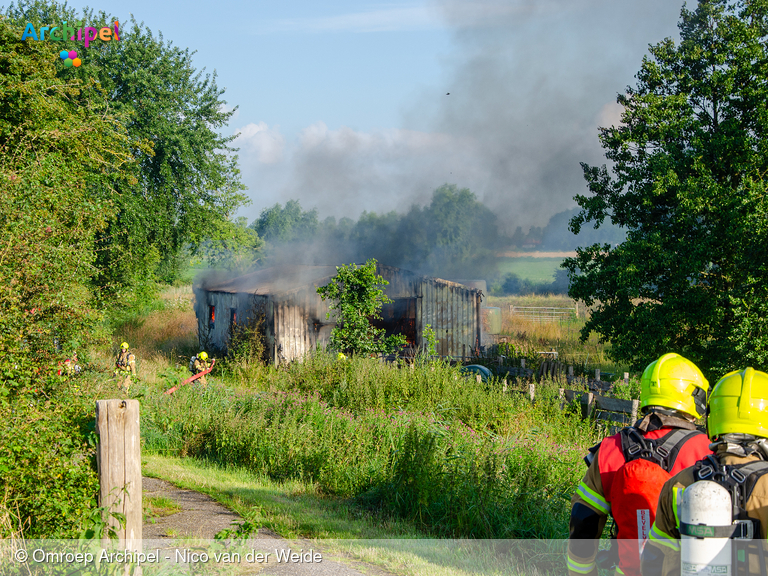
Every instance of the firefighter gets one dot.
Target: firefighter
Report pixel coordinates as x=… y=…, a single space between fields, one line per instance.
x=200 y=364
x=627 y=470
x=738 y=426
x=125 y=366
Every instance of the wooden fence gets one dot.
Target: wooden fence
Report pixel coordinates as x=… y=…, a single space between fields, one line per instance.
x=593 y=403
x=544 y=314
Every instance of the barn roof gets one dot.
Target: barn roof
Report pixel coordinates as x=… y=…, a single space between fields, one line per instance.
x=274 y=280
x=285 y=278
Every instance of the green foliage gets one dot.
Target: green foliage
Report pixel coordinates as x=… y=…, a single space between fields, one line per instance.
x=59 y=141
x=512 y=284
x=430 y=338
x=247 y=348
x=280 y=224
x=357 y=298
x=233 y=246
x=184 y=184
x=688 y=183
x=454 y=236
x=47 y=465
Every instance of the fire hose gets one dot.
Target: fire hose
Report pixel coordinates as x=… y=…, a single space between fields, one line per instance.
x=192 y=378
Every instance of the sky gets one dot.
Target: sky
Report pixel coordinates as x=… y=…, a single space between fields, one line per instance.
x=352 y=106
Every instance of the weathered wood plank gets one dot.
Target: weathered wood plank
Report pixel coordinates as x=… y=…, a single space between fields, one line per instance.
x=613 y=404
x=119 y=462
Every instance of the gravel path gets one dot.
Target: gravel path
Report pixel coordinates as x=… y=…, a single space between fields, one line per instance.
x=201 y=516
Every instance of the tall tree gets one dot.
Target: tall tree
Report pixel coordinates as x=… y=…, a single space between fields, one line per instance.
x=59 y=141
x=186 y=183
x=356 y=297
x=687 y=181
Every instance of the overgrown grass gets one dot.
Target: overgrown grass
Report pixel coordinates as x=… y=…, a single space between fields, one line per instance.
x=452 y=456
x=563 y=336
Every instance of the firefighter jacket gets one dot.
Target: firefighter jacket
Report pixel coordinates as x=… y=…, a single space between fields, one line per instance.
x=591 y=504
x=661 y=554
x=126 y=362
x=200 y=366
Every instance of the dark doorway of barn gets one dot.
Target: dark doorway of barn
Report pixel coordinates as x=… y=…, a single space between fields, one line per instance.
x=399 y=317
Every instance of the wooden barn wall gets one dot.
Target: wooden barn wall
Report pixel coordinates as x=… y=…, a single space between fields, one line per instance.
x=214 y=338
x=452 y=313
x=300 y=324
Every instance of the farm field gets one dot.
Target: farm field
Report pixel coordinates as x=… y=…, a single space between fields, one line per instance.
x=531 y=268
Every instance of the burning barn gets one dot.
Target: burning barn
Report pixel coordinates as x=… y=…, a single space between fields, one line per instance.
x=293 y=316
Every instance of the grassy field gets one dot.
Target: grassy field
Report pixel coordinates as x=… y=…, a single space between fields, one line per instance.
x=355 y=449
x=536 y=270
x=423 y=448
x=343 y=531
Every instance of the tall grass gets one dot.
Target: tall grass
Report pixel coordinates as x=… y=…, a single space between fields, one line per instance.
x=562 y=336
x=424 y=443
x=456 y=458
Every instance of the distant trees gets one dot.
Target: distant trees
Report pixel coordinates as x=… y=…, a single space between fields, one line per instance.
x=289 y=223
x=688 y=183
x=454 y=235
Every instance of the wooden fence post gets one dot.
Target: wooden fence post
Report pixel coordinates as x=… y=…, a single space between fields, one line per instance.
x=626 y=378
x=479 y=379
x=532 y=390
x=635 y=408
x=522 y=363
x=586 y=404
x=570 y=371
x=597 y=374
x=505 y=386
x=118 y=455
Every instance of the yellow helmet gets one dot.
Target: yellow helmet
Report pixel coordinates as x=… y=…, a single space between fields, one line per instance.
x=674 y=382
x=124 y=345
x=203 y=356
x=739 y=404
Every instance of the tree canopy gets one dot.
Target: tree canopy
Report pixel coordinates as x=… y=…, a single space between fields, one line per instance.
x=687 y=182
x=185 y=184
x=59 y=141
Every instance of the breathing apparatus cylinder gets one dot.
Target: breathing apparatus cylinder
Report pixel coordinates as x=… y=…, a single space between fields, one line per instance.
x=705 y=504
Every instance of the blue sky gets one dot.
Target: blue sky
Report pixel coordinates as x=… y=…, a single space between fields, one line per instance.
x=343 y=105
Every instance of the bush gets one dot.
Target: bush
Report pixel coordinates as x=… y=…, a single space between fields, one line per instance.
x=47 y=465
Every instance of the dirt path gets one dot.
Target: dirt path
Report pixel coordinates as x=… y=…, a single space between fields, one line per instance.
x=202 y=517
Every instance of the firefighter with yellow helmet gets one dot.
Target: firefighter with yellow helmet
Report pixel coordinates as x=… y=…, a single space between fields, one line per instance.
x=125 y=366
x=713 y=516
x=200 y=364
x=627 y=470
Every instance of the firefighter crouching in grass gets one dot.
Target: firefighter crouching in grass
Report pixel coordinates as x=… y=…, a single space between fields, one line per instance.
x=199 y=364
x=721 y=502
x=125 y=366
x=627 y=470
